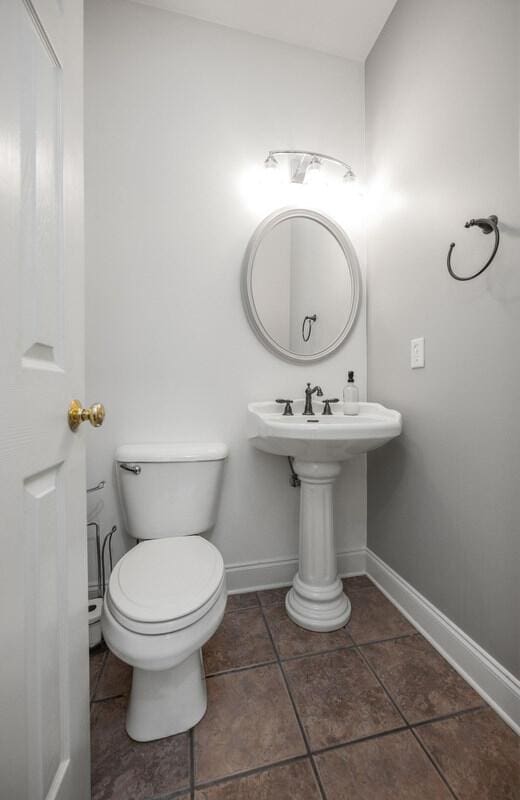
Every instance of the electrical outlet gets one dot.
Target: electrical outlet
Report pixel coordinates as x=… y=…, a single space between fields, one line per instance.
x=417 y=353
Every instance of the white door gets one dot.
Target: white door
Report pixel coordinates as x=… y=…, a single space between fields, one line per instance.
x=44 y=745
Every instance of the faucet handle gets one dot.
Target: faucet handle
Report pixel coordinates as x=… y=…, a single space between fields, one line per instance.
x=327 y=411
x=287 y=412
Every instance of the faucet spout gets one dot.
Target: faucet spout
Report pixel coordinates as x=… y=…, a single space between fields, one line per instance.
x=308 y=398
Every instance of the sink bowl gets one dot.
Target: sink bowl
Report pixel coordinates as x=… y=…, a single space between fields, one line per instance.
x=321 y=438
x=319 y=444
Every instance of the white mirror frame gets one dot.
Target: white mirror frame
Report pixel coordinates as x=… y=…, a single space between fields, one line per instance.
x=247 y=282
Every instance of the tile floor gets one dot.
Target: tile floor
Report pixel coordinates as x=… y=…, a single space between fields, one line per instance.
x=369 y=712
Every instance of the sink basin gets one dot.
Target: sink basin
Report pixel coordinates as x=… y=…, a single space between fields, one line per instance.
x=321 y=438
x=319 y=444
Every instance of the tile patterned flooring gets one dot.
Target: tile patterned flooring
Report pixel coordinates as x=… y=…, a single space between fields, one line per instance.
x=369 y=712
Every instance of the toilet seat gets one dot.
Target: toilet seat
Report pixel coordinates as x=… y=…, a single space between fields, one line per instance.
x=165 y=585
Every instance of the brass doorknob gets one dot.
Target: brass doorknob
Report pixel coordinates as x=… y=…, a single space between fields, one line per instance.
x=77 y=414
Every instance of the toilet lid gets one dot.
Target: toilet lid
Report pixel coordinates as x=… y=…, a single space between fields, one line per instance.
x=164 y=580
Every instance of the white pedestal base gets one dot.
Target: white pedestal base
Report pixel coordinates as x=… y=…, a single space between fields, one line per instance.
x=163 y=703
x=317 y=601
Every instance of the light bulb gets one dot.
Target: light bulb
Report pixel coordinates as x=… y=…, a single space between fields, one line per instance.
x=271 y=162
x=314 y=174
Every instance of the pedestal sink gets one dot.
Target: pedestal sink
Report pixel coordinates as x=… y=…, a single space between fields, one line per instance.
x=318 y=445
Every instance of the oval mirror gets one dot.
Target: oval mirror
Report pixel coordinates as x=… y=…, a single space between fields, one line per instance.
x=301 y=284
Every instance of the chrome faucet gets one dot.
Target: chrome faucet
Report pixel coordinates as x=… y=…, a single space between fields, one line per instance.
x=308 y=398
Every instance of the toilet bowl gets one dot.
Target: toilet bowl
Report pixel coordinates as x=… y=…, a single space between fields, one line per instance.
x=167 y=595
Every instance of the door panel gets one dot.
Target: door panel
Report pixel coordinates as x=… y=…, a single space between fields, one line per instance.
x=42 y=200
x=44 y=746
x=45 y=630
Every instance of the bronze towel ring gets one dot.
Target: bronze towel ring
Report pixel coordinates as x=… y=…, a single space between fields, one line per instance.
x=487 y=225
x=307 y=327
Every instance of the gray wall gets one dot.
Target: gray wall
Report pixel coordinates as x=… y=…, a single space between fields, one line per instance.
x=442 y=137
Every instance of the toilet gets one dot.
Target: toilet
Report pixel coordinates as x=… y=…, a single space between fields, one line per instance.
x=166 y=597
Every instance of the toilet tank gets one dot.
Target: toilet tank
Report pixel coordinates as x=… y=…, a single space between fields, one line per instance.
x=169 y=489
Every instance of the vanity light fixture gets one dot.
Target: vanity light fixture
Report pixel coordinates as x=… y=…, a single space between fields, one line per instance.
x=305 y=166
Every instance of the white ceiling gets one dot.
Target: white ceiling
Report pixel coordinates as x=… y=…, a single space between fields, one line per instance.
x=346 y=28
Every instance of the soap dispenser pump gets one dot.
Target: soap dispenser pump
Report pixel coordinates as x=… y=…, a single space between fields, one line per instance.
x=351 y=396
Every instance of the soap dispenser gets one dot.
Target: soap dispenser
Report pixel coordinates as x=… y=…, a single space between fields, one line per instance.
x=350 y=396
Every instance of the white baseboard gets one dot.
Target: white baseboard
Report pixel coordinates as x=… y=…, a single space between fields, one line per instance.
x=496 y=685
x=271 y=573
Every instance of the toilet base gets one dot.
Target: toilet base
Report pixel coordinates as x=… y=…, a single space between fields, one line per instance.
x=165 y=702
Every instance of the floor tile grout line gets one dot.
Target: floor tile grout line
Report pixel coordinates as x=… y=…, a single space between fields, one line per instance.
x=284 y=659
x=298 y=720
x=110 y=697
x=376 y=676
x=410 y=723
x=380 y=735
x=415 y=632
x=462 y=712
x=101 y=670
x=434 y=763
x=238 y=610
x=253 y=771
x=354 y=643
x=232 y=670
x=403 y=727
x=384 y=687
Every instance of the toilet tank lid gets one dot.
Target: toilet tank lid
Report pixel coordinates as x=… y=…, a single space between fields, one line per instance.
x=172 y=451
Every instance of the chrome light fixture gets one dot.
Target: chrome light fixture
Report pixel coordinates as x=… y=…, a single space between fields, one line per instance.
x=306 y=166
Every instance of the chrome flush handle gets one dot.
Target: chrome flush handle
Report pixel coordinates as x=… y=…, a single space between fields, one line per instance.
x=135 y=468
